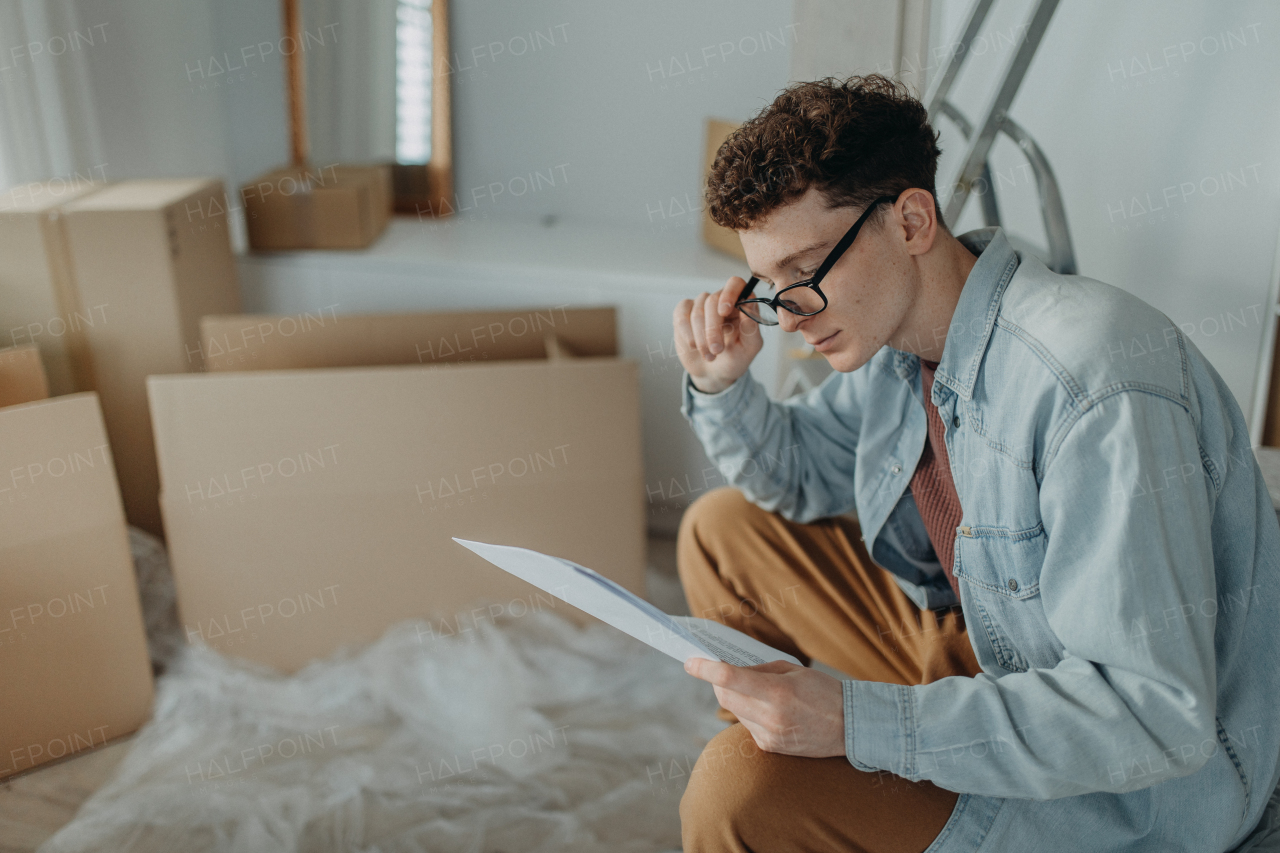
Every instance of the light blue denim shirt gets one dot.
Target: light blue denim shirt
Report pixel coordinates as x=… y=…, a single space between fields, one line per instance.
x=1117 y=558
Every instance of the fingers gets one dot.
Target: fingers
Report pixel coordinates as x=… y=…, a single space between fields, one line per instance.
x=707 y=327
x=698 y=322
x=749 y=681
x=749 y=332
x=724 y=675
x=681 y=324
x=719 y=332
x=777 y=667
x=712 y=327
x=730 y=294
x=713 y=671
x=750 y=711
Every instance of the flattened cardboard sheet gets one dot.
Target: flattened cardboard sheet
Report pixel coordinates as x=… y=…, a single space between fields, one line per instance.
x=307 y=509
x=73 y=651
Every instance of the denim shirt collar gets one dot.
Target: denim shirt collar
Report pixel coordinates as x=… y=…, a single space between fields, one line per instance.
x=975 y=314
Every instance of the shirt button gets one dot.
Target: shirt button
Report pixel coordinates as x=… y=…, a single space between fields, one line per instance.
x=955 y=422
x=896 y=469
x=1013 y=585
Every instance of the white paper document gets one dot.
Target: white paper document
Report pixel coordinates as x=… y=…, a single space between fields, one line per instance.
x=681 y=637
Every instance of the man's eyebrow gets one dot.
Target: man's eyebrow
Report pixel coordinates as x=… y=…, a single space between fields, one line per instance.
x=789 y=259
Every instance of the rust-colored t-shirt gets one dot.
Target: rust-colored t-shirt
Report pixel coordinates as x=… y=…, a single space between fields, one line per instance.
x=932 y=486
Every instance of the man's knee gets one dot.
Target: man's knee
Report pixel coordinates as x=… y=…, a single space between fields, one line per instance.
x=717 y=510
x=728 y=788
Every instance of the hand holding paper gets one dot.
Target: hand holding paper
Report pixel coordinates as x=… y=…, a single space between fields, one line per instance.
x=788 y=708
x=792 y=710
x=681 y=637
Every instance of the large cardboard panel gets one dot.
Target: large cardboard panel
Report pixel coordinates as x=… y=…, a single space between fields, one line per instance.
x=717 y=236
x=325 y=338
x=306 y=509
x=37 y=302
x=73 y=653
x=22 y=376
x=155 y=256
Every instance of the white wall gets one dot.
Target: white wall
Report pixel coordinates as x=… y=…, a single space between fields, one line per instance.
x=175 y=95
x=255 y=129
x=607 y=98
x=152 y=119
x=1167 y=100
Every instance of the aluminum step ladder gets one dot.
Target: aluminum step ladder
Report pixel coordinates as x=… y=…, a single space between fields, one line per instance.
x=979 y=139
x=981 y=135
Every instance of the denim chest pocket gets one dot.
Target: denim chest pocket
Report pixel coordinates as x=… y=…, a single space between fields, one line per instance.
x=999 y=572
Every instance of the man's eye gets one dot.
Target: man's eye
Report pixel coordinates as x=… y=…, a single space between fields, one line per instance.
x=801 y=275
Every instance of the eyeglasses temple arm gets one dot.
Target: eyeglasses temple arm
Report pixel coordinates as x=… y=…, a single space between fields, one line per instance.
x=849 y=236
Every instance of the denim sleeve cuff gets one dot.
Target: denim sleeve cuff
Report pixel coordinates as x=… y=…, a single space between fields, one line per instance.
x=722 y=405
x=879 y=727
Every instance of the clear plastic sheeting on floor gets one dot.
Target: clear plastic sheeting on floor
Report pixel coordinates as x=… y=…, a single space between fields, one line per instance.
x=529 y=735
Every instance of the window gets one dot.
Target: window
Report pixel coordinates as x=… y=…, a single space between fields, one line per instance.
x=413 y=81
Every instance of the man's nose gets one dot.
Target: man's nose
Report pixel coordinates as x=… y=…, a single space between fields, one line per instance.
x=788 y=321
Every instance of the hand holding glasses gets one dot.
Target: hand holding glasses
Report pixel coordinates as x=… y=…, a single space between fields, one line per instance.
x=803 y=298
x=716 y=349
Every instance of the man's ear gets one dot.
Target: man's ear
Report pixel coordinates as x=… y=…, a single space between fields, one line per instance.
x=919 y=220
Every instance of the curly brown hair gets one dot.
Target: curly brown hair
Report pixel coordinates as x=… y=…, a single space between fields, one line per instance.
x=855 y=140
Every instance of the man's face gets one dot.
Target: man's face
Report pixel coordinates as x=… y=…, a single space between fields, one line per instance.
x=869 y=291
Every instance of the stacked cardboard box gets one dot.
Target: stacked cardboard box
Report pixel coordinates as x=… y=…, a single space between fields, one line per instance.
x=148 y=258
x=109 y=281
x=37 y=295
x=310 y=508
x=73 y=654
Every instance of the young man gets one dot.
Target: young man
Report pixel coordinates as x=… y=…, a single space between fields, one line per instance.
x=1058 y=602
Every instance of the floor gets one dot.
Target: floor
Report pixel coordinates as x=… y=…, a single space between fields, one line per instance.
x=35 y=805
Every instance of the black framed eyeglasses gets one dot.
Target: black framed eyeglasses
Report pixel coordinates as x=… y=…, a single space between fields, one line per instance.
x=803 y=298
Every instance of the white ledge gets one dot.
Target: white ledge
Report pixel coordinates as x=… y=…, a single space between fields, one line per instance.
x=598 y=254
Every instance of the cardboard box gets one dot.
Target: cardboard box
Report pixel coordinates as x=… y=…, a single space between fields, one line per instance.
x=149 y=258
x=319 y=207
x=307 y=509
x=37 y=295
x=73 y=652
x=327 y=339
x=22 y=376
x=717 y=236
